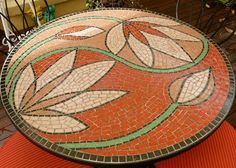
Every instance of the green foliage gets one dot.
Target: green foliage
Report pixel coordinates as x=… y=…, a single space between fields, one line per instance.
x=93 y=4
x=228 y=2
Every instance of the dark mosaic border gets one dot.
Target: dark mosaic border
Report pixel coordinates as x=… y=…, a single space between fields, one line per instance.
x=117 y=160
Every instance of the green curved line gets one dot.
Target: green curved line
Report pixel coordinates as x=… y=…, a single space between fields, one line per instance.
x=107 y=53
x=52 y=52
x=134 y=135
x=148 y=69
x=26 y=53
x=17 y=62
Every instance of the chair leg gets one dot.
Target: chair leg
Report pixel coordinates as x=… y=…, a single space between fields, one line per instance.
x=33 y=8
x=221 y=25
x=177 y=9
x=227 y=38
x=145 y=166
x=23 y=15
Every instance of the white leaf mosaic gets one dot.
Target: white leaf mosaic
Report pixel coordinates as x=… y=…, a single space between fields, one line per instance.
x=193 y=86
x=89 y=32
x=156 y=20
x=61 y=66
x=55 y=124
x=142 y=51
x=82 y=78
x=177 y=35
x=167 y=46
x=87 y=101
x=116 y=33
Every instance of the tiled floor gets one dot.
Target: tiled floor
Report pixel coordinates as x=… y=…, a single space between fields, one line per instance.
x=6 y=127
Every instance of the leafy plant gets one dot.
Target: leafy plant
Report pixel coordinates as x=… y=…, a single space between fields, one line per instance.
x=227 y=2
x=93 y=4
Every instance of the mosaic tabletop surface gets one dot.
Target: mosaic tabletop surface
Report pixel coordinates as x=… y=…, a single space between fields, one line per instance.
x=116 y=86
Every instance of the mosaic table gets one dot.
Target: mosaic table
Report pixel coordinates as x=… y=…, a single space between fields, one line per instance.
x=116 y=86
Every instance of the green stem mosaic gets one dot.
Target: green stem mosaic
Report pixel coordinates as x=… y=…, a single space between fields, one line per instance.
x=149 y=69
x=25 y=54
x=134 y=135
x=115 y=57
x=107 y=53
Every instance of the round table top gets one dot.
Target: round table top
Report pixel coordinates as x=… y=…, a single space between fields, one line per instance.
x=116 y=86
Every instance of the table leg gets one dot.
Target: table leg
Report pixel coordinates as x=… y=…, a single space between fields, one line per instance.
x=150 y=166
x=146 y=166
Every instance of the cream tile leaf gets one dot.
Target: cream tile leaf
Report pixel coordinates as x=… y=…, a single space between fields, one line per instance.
x=61 y=66
x=87 y=100
x=79 y=32
x=55 y=124
x=142 y=51
x=167 y=46
x=115 y=40
x=82 y=78
x=156 y=20
x=177 y=35
x=193 y=86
